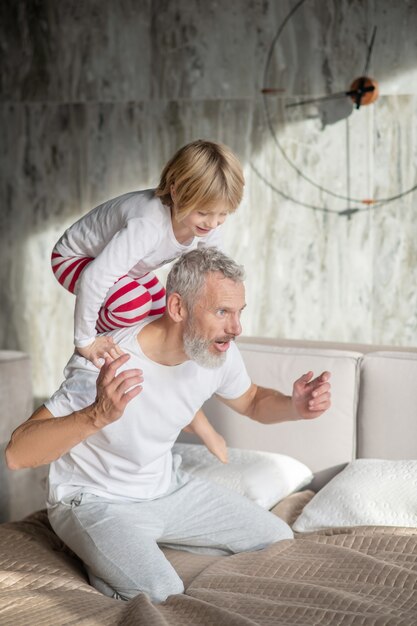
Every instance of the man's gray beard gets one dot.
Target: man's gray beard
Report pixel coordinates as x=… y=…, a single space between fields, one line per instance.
x=197 y=349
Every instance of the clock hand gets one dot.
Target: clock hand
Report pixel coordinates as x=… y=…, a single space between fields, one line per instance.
x=361 y=82
x=357 y=97
x=360 y=86
x=368 y=57
x=357 y=92
x=332 y=96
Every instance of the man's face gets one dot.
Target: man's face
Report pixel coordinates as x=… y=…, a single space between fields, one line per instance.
x=215 y=320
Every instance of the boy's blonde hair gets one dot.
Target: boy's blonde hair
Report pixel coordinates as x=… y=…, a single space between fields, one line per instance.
x=203 y=174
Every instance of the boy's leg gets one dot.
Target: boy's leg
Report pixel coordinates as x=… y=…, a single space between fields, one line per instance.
x=127 y=302
x=118 y=544
x=67 y=270
x=156 y=291
x=130 y=300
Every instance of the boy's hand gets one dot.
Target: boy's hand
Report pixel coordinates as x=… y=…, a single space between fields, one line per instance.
x=103 y=347
x=217 y=446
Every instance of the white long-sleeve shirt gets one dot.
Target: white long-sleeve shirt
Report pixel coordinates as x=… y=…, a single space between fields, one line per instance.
x=131 y=234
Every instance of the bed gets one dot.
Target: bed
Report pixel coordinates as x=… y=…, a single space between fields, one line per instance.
x=354 y=556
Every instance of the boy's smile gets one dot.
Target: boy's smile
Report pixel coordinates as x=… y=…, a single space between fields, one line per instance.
x=198 y=223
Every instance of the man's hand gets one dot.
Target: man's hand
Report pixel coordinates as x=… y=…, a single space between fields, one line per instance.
x=103 y=347
x=311 y=398
x=114 y=391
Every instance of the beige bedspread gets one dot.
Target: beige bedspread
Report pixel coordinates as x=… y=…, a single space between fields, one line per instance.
x=359 y=576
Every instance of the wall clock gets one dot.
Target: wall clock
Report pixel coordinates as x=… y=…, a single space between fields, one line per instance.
x=339 y=96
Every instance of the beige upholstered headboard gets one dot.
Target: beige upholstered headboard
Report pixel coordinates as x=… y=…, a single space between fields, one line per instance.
x=374 y=412
x=387 y=411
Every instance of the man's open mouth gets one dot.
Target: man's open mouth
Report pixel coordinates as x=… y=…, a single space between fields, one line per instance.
x=223 y=344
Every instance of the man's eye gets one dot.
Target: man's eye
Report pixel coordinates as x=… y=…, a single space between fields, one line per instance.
x=202 y=213
x=221 y=312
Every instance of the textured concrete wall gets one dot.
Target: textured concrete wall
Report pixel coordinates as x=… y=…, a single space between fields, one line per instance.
x=97 y=95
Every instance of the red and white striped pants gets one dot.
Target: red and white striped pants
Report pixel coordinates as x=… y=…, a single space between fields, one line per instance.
x=127 y=302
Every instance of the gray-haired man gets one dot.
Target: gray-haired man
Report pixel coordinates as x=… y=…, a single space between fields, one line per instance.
x=115 y=491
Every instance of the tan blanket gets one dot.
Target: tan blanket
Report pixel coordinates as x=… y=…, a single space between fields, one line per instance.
x=357 y=576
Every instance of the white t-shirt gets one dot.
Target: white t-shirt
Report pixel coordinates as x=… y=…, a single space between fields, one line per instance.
x=131 y=234
x=131 y=458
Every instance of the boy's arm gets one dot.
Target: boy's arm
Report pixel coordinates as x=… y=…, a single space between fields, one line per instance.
x=101 y=348
x=44 y=438
x=122 y=252
x=201 y=427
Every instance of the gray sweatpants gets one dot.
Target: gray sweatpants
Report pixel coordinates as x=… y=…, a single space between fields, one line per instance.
x=118 y=541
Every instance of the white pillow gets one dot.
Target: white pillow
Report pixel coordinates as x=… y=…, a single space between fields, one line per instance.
x=264 y=477
x=368 y=492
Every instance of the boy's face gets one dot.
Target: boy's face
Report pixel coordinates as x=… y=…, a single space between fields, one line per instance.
x=202 y=221
x=199 y=222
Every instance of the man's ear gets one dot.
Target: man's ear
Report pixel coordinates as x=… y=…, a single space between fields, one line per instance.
x=176 y=308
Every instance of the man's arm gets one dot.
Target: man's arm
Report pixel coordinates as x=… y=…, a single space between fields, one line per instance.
x=44 y=438
x=310 y=398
